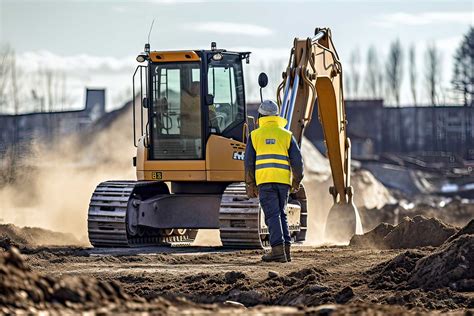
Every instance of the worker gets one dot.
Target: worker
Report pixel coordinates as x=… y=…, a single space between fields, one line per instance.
x=273 y=166
x=191 y=111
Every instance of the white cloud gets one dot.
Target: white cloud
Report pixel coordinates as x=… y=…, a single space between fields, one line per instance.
x=119 y=9
x=175 y=1
x=424 y=18
x=34 y=60
x=81 y=71
x=233 y=28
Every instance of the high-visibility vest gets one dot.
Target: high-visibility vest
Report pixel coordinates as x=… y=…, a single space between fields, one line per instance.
x=271 y=142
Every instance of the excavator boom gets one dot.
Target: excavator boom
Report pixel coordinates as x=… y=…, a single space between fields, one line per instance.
x=314 y=75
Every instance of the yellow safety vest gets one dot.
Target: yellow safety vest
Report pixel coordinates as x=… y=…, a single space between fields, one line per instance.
x=271 y=142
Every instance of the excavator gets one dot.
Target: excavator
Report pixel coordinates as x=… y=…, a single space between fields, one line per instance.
x=190 y=127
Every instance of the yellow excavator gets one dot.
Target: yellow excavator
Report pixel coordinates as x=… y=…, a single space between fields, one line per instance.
x=190 y=128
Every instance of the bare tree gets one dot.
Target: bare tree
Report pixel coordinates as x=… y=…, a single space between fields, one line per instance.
x=463 y=74
x=347 y=84
x=50 y=91
x=413 y=73
x=432 y=72
x=5 y=61
x=63 y=90
x=394 y=71
x=49 y=88
x=16 y=107
x=354 y=66
x=372 y=74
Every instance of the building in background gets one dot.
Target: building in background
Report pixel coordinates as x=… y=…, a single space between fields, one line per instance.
x=21 y=130
x=425 y=131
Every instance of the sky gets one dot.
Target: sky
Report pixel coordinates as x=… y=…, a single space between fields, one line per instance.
x=94 y=43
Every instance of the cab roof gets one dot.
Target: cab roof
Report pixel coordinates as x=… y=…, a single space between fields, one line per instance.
x=189 y=55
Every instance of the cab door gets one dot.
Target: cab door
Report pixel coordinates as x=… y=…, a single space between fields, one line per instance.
x=225 y=83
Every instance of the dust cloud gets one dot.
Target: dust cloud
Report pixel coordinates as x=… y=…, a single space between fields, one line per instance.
x=368 y=191
x=54 y=184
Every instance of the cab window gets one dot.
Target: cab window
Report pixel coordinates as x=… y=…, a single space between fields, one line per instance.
x=176 y=116
x=225 y=83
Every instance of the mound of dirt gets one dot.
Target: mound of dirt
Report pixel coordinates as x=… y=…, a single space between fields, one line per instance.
x=394 y=273
x=451 y=265
x=419 y=232
x=301 y=287
x=373 y=238
x=368 y=191
x=454 y=211
x=466 y=230
x=410 y=233
x=22 y=287
x=11 y=235
x=314 y=162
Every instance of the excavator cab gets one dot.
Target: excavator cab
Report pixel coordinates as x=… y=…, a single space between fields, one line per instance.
x=191 y=95
x=190 y=129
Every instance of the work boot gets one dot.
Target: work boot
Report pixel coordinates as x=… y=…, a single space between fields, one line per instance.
x=287 y=252
x=276 y=255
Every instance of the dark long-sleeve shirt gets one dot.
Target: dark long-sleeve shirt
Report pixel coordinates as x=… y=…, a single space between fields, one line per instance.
x=294 y=153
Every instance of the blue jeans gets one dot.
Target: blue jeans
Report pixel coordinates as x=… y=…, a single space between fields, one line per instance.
x=273 y=199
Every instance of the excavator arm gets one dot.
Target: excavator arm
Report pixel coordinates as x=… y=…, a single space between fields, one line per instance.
x=314 y=76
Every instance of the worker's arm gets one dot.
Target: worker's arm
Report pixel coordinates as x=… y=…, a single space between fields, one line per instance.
x=296 y=164
x=250 y=158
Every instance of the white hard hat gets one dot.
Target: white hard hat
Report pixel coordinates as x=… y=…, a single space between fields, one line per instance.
x=268 y=107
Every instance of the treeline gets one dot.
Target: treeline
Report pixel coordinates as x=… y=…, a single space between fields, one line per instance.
x=383 y=79
x=23 y=90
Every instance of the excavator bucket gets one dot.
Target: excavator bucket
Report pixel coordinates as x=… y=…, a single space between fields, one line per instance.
x=342 y=223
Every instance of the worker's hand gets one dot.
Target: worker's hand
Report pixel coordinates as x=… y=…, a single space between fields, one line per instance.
x=252 y=190
x=295 y=187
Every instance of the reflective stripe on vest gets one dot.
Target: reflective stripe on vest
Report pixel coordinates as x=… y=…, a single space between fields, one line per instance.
x=271 y=143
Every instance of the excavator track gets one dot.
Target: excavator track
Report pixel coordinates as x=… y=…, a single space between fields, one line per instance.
x=240 y=219
x=107 y=219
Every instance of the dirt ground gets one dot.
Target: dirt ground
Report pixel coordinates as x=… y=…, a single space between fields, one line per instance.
x=61 y=274
x=209 y=280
